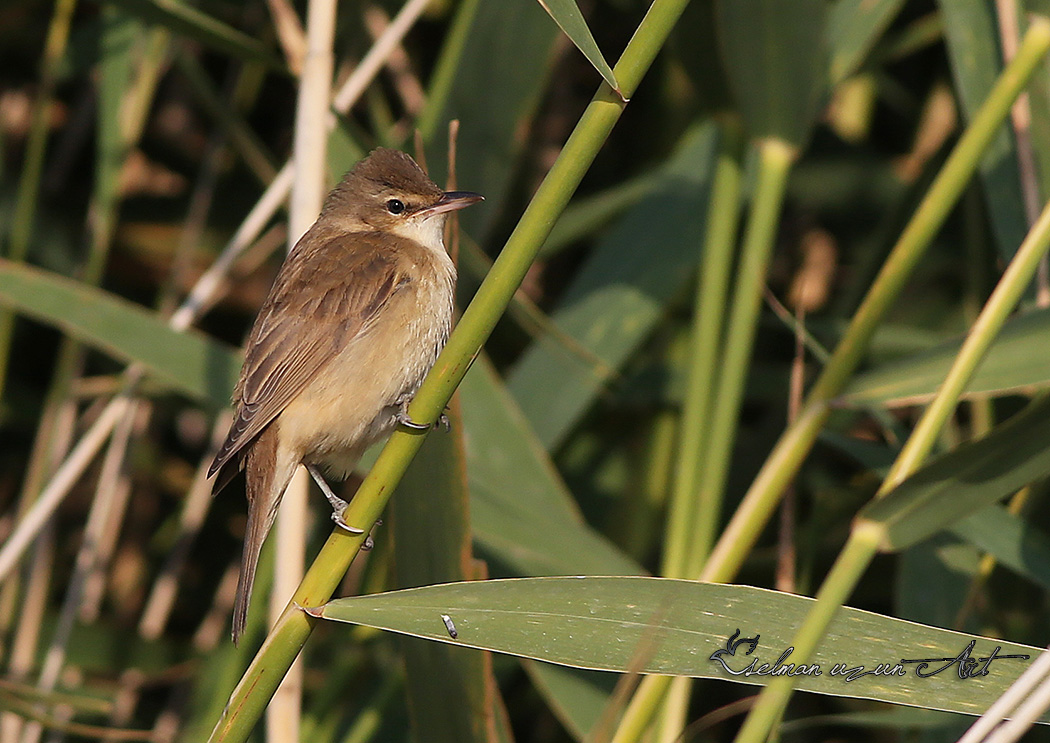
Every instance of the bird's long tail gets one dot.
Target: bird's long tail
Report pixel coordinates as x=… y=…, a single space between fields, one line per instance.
x=254 y=535
x=266 y=479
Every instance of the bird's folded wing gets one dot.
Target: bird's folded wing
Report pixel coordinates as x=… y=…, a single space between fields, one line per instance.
x=319 y=303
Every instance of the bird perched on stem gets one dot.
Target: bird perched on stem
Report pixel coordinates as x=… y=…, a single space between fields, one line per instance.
x=355 y=319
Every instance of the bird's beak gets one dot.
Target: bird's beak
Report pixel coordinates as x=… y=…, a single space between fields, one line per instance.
x=450 y=201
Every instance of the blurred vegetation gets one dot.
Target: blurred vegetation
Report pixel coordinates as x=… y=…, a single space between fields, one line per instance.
x=714 y=257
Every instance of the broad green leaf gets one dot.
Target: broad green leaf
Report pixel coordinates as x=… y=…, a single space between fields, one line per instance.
x=191 y=362
x=491 y=76
x=966 y=479
x=586 y=215
x=566 y=13
x=521 y=511
x=695 y=43
x=894 y=717
x=575 y=696
x=1018 y=361
x=431 y=527
x=620 y=294
x=666 y=626
x=1019 y=545
x=523 y=517
x=430 y=512
x=972 y=35
x=185 y=20
x=775 y=56
x=933 y=579
x=853 y=28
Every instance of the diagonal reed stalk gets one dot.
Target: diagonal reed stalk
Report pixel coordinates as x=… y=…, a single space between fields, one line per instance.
x=282 y=646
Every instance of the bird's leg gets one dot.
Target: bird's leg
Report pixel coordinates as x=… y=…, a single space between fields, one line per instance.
x=338 y=504
x=404 y=419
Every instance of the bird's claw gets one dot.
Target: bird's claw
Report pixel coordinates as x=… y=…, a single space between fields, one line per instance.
x=403 y=419
x=337 y=517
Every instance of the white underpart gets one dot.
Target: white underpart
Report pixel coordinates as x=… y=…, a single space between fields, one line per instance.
x=430 y=231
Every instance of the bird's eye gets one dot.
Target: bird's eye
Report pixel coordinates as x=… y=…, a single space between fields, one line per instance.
x=395 y=206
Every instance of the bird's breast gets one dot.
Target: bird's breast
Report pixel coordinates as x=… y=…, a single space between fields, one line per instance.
x=352 y=401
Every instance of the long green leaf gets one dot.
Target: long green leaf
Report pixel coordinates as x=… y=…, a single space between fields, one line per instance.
x=674 y=627
x=522 y=513
x=180 y=18
x=966 y=479
x=493 y=89
x=696 y=43
x=586 y=215
x=431 y=526
x=1019 y=545
x=853 y=28
x=566 y=13
x=575 y=696
x=190 y=362
x=620 y=293
x=775 y=54
x=972 y=35
x=1018 y=361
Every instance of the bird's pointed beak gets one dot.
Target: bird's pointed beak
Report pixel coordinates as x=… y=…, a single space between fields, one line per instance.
x=450 y=201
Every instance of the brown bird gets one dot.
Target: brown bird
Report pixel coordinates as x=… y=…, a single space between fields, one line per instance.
x=355 y=319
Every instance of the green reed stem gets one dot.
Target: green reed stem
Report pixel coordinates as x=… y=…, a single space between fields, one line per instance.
x=704 y=344
x=774 y=163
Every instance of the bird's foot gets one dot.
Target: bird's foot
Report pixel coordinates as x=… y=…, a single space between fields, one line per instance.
x=404 y=419
x=337 y=517
x=338 y=504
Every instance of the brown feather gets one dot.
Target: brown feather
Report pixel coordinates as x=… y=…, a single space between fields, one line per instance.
x=321 y=300
x=262 y=507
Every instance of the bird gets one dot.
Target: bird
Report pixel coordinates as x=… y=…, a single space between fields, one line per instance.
x=354 y=320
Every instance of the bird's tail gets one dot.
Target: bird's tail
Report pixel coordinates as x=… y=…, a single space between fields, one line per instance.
x=266 y=478
x=254 y=535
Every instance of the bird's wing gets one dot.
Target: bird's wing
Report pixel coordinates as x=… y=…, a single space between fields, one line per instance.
x=319 y=303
